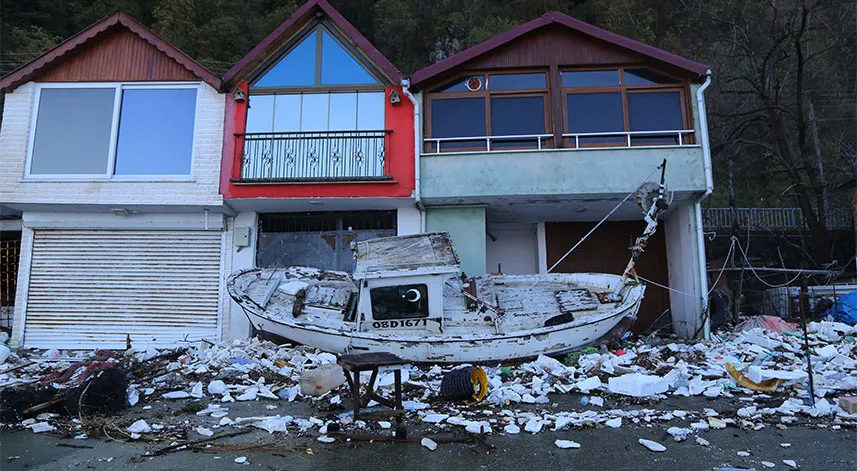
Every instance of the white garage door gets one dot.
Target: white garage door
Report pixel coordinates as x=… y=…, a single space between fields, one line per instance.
x=92 y=289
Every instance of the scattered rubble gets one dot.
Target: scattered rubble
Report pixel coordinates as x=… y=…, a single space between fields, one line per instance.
x=618 y=388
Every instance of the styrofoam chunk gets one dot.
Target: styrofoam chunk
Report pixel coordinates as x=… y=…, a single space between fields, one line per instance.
x=566 y=444
x=652 y=445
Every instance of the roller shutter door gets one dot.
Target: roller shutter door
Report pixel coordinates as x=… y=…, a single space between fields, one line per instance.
x=92 y=288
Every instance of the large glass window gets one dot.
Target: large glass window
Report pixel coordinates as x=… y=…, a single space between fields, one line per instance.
x=113 y=130
x=319 y=59
x=509 y=111
x=595 y=113
x=632 y=102
x=516 y=116
x=152 y=142
x=459 y=117
x=316 y=112
x=73 y=128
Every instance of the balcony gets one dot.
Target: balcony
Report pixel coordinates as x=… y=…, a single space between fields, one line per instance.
x=307 y=157
x=477 y=169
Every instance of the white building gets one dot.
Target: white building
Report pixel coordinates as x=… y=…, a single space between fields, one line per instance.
x=110 y=151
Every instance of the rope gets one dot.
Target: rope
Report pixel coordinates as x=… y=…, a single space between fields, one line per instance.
x=601 y=221
x=723 y=268
x=667 y=287
x=752 y=270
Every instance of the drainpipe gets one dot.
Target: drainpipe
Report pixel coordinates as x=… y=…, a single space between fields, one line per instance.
x=406 y=83
x=709 y=187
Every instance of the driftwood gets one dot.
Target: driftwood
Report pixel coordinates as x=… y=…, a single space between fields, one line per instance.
x=72 y=445
x=165 y=450
x=42 y=406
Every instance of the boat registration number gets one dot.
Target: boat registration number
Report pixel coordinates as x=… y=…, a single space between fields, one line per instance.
x=400 y=323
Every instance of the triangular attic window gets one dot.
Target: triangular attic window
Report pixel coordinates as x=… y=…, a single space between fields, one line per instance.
x=298 y=66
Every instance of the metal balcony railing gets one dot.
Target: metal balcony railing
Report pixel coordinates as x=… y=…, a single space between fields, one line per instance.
x=572 y=141
x=313 y=156
x=770 y=218
x=679 y=137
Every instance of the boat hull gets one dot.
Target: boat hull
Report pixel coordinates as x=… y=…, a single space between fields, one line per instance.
x=435 y=349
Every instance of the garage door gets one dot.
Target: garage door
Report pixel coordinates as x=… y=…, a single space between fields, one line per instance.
x=92 y=289
x=607 y=252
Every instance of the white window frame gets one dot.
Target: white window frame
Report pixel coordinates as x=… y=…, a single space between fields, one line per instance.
x=114 y=131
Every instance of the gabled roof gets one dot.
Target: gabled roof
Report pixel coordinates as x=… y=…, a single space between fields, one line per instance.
x=66 y=49
x=557 y=18
x=274 y=41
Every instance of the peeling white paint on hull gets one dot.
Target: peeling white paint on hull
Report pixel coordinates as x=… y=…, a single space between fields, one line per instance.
x=310 y=307
x=464 y=350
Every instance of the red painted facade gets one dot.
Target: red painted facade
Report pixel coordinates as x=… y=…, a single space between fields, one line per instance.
x=398 y=118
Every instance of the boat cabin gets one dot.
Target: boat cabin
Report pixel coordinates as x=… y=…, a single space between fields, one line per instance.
x=401 y=281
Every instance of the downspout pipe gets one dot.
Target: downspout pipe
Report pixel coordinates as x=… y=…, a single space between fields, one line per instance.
x=418 y=126
x=709 y=187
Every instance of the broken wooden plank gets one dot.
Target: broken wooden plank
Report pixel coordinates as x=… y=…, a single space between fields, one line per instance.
x=175 y=447
x=574 y=300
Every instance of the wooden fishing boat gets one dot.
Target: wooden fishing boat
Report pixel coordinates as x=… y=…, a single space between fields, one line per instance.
x=406 y=296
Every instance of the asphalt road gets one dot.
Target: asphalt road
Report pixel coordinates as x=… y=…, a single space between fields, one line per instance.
x=814 y=446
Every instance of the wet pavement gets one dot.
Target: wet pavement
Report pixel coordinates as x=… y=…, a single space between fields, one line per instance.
x=815 y=445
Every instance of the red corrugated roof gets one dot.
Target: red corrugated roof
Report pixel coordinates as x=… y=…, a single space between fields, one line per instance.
x=271 y=44
x=551 y=18
x=31 y=70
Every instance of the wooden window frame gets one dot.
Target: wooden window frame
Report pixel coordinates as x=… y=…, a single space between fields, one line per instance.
x=556 y=105
x=486 y=94
x=681 y=86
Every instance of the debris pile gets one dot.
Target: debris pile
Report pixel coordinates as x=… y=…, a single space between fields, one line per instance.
x=762 y=370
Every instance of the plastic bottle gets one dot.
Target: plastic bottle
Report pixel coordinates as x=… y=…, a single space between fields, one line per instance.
x=322 y=379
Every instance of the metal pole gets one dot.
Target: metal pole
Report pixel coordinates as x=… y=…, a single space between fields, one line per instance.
x=803 y=308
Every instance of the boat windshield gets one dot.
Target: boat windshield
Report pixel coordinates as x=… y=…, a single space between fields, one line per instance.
x=399 y=302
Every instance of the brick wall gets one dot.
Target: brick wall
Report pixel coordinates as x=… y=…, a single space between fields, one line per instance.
x=202 y=189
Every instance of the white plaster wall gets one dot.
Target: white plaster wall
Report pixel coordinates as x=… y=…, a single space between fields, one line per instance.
x=684 y=270
x=240 y=258
x=515 y=250
x=408 y=220
x=201 y=189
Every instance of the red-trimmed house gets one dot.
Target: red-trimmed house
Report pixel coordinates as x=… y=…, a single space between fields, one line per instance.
x=529 y=139
x=318 y=146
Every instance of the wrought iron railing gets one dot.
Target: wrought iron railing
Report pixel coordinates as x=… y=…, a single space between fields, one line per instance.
x=770 y=218
x=313 y=156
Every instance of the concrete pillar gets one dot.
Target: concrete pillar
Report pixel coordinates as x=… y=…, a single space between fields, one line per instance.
x=541 y=247
x=408 y=220
x=686 y=268
x=466 y=227
x=242 y=258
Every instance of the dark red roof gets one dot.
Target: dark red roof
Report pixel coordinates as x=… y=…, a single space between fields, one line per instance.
x=551 y=18
x=274 y=41
x=31 y=70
